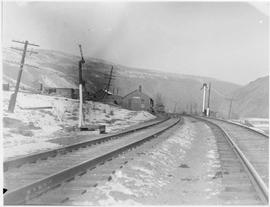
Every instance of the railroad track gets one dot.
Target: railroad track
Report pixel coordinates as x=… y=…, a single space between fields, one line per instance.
x=32 y=158
x=240 y=125
x=244 y=157
x=33 y=179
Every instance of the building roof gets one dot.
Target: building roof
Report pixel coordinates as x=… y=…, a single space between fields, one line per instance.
x=135 y=91
x=130 y=93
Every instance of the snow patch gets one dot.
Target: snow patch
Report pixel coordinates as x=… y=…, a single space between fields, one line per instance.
x=40 y=126
x=142 y=169
x=146 y=173
x=19 y=148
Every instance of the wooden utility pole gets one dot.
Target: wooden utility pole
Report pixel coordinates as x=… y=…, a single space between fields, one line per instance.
x=109 y=83
x=81 y=116
x=230 y=109
x=231 y=106
x=13 y=98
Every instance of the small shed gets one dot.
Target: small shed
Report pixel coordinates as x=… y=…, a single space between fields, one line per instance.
x=137 y=101
x=65 y=92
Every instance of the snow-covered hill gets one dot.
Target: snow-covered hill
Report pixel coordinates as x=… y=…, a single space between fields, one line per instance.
x=55 y=69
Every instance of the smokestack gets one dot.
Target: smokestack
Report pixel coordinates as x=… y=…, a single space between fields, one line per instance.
x=140 y=88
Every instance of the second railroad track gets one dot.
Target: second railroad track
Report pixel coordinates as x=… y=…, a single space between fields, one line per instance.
x=247 y=159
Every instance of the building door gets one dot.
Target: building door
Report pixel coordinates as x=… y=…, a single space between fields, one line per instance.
x=135 y=103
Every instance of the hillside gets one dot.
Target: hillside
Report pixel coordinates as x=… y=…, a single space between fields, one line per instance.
x=178 y=91
x=252 y=100
x=58 y=69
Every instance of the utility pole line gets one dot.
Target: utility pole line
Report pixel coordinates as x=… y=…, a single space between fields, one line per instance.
x=13 y=98
x=25 y=64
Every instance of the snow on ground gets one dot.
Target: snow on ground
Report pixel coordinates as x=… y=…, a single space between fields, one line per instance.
x=179 y=170
x=26 y=131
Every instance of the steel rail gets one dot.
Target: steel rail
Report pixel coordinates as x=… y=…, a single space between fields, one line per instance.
x=254 y=176
x=237 y=124
x=17 y=162
x=22 y=194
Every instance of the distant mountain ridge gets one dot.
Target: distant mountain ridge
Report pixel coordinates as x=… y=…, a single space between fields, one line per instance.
x=179 y=92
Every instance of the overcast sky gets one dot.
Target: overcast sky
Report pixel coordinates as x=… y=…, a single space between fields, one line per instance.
x=228 y=41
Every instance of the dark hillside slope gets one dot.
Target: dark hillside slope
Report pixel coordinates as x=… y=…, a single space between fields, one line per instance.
x=252 y=100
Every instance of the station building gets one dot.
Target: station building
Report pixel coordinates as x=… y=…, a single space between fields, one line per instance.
x=137 y=101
